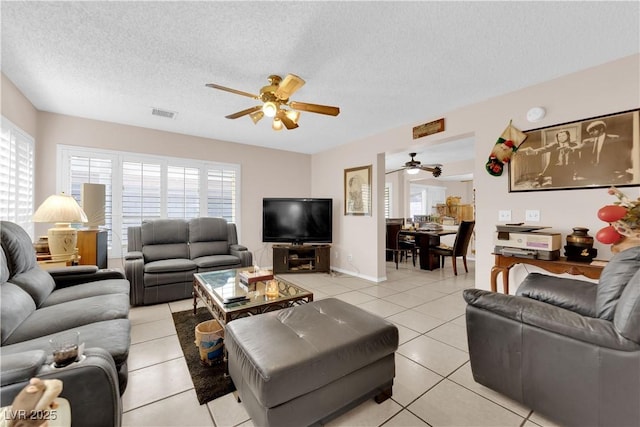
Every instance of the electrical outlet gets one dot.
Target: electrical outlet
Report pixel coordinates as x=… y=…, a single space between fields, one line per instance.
x=504 y=215
x=532 y=216
x=349 y=257
x=336 y=254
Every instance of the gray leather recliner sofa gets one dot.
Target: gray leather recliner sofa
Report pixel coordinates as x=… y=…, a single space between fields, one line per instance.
x=37 y=304
x=567 y=348
x=165 y=253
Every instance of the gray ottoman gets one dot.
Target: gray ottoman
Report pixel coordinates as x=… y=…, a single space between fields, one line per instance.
x=304 y=365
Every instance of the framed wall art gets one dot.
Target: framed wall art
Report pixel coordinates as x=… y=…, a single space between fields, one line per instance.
x=357 y=191
x=590 y=153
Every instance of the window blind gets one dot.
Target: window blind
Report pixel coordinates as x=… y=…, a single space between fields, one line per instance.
x=16 y=176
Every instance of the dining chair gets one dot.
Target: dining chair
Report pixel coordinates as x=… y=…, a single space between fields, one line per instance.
x=397 y=245
x=459 y=248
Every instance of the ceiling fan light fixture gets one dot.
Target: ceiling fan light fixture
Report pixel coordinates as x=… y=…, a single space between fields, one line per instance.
x=413 y=171
x=270 y=109
x=277 y=124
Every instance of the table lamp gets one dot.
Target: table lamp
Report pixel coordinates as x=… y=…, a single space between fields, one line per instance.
x=62 y=210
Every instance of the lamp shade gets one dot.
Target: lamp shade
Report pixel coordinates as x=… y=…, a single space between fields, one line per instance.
x=413 y=171
x=60 y=208
x=63 y=210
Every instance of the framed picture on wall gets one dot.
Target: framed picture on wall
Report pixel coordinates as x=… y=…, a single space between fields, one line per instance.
x=357 y=191
x=590 y=153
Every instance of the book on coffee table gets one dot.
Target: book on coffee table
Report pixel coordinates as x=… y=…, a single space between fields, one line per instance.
x=249 y=277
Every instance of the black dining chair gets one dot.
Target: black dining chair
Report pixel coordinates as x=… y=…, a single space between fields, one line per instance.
x=397 y=245
x=460 y=246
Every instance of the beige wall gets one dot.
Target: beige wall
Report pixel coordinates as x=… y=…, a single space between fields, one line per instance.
x=609 y=88
x=265 y=172
x=16 y=107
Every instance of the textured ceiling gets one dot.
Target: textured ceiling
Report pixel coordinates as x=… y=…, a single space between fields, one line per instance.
x=385 y=64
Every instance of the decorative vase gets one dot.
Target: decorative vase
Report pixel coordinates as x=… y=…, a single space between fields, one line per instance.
x=580 y=238
x=580 y=245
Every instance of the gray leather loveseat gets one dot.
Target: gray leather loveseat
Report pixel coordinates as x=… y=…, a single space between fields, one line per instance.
x=36 y=305
x=567 y=348
x=164 y=254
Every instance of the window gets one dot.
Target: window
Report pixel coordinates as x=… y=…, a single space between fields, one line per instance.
x=140 y=187
x=16 y=176
x=424 y=198
x=387 y=200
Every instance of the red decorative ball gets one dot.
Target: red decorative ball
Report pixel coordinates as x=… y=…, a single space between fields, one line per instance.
x=611 y=213
x=608 y=235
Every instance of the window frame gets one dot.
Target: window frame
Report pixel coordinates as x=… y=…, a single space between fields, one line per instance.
x=118 y=158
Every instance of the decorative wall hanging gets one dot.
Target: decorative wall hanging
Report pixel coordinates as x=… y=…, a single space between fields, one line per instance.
x=503 y=149
x=590 y=153
x=357 y=191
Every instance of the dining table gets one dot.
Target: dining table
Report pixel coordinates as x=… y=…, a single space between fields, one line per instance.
x=424 y=240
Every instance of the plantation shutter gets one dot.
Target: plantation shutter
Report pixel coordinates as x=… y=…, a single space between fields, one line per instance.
x=221 y=193
x=183 y=192
x=16 y=176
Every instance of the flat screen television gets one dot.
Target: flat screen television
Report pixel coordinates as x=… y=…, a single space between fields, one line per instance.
x=297 y=220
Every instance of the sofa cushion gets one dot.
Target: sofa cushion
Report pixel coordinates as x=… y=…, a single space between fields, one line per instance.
x=4 y=269
x=215 y=261
x=18 y=248
x=208 y=236
x=164 y=238
x=112 y=335
x=613 y=280
x=169 y=265
x=70 y=315
x=627 y=317
x=37 y=283
x=86 y=290
x=17 y=305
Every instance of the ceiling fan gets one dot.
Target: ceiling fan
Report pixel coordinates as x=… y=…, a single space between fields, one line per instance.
x=275 y=102
x=414 y=166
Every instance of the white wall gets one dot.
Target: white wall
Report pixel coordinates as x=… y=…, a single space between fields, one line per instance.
x=606 y=89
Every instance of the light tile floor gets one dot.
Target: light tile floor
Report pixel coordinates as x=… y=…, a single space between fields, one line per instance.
x=433 y=384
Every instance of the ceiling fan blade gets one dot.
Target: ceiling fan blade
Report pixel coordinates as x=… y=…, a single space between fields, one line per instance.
x=228 y=89
x=244 y=112
x=315 y=108
x=288 y=86
x=397 y=170
x=286 y=121
x=435 y=170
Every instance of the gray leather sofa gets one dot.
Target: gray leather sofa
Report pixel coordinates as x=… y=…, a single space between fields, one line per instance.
x=566 y=348
x=37 y=304
x=163 y=254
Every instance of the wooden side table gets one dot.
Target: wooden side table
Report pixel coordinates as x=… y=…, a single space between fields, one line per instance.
x=504 y=263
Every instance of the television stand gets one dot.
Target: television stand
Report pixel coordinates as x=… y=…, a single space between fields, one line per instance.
x=301 y=259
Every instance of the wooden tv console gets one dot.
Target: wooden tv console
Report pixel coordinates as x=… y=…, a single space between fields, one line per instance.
x=301 y=258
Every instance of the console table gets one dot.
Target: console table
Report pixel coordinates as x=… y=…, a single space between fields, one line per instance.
x=504 y=263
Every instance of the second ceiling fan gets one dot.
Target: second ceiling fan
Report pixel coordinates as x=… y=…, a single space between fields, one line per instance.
x=414 y=166
x=276 y=102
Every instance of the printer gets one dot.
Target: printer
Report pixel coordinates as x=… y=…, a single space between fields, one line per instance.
x=527 y=241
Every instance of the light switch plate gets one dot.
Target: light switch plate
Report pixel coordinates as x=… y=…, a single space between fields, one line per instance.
x=504 y=215
x=532 y=216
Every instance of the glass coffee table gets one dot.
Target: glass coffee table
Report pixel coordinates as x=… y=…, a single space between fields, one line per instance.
x=226 y=297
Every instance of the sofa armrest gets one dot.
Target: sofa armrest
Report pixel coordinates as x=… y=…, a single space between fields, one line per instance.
x=90 y=386
x=20 y=366
x=69 y=276
x=133 y=255
x=246 y=257
x=554 y=319
x=575 y=295
x=134 y=270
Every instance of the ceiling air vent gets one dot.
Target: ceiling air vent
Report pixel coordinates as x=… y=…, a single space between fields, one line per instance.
x=163 y=113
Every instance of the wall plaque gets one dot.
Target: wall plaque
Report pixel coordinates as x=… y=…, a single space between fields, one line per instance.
x=428 y=128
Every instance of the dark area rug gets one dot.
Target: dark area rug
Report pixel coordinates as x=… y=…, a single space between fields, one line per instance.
x=210 y=382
